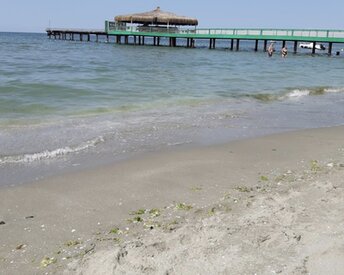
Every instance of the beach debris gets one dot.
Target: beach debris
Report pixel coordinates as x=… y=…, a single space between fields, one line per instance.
x=151 y=225
x=155 y=212
x=2 y=223
x=138 y=212
x=29 y=217
x=315 y=167
x=183 y=206
x=196 y=189
x=243 y=189
x=136 y=219
x=330 y=165
x=73 y=230
x=212 y=211
x=115 y=230
x=72 y=243
x=90 y=249
x=171 y=226
x=20 y=246
x=264 y=178
x=46 y=261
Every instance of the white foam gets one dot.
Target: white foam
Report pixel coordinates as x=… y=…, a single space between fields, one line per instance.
x=334 y=90
x=298 y=93
x=50 y=154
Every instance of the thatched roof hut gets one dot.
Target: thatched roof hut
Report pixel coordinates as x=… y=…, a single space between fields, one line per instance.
x=157 y=17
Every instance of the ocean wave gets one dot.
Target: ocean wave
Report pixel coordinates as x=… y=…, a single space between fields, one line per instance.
x=294 y=93
x=297 y=93
x=50 y=154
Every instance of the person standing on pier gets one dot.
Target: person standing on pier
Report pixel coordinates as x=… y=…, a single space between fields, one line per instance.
x=284 y=52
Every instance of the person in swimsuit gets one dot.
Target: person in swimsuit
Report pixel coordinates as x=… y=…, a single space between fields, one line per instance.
x=271 y=49
x=284 y=52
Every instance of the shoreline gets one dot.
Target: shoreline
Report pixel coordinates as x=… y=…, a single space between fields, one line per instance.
x=62 y=217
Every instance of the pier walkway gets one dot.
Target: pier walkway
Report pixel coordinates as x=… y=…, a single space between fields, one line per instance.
x=188 y=36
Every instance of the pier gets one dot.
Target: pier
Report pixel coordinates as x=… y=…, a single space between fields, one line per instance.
x=189 y=37
x=75 y=34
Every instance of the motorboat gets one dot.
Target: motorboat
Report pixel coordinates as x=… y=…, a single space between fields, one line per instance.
x=319 y=47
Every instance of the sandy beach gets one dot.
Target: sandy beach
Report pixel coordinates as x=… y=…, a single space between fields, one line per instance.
x=269 y=205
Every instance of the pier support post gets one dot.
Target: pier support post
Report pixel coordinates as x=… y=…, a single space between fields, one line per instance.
x=212 y=43
x=283 y=44
x=143 y=40
x=72 y=36
x=154 y=41
x=330 y=48
x=232 y=44
x=158 y=40
x=88 y=37
x=313 y=50
x=265 y=45
x=237 y=44
x=80 y=36
x=134 y=39
x=295 y=46
x=256 y=46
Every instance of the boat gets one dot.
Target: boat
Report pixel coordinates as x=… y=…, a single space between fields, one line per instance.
x=319 y=47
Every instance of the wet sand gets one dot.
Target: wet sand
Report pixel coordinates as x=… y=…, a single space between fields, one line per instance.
x=266 y=205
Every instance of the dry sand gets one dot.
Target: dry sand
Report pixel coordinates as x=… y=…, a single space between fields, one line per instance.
x=271 y=205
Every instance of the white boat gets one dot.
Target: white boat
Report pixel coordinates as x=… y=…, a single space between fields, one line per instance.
x=319 y=47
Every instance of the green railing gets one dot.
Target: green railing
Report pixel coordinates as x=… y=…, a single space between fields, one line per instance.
x=254 y=33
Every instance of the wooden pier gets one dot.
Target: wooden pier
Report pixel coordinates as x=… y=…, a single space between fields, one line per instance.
x=76 y=34
x=188 y=37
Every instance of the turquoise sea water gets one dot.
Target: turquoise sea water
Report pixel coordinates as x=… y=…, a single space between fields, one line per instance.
x=67 y=104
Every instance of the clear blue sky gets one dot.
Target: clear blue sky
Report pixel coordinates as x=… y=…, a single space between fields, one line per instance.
x=35 y=15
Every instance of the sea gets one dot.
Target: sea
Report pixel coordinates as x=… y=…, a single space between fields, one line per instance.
x=68 y=105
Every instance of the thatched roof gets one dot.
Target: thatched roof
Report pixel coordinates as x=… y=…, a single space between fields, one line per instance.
x=157 y=17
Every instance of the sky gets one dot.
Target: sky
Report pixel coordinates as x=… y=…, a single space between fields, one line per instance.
x=37 y=15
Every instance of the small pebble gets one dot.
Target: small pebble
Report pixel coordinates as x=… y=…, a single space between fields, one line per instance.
x=29 y=217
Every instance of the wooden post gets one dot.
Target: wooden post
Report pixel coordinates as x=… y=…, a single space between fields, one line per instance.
x=330 y=48
x=143 y=40
x=237 y=44
x=295 y=46
x=265 y=45
x=232 y=44
x=154 y=41
x=283 y=44
x=158 y=42
x=256 y=46
x=313 y=50
x=210 y=43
